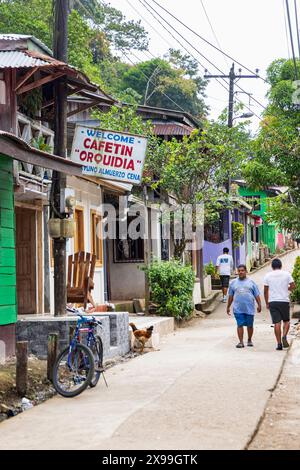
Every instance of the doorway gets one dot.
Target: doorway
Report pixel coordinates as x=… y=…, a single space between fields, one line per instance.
x=26 y=260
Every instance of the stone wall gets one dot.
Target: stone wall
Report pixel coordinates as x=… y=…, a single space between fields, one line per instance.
x=114 y=333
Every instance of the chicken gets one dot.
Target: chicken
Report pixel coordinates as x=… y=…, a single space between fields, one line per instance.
x=142 y=336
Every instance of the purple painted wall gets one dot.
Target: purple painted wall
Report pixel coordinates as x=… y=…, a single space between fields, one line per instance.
x=211 y=250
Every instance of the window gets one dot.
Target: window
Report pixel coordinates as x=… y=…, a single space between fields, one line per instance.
x=255 y=202
x=128 y=250
x=79 y=229
x=96 y=239
x=218 y=231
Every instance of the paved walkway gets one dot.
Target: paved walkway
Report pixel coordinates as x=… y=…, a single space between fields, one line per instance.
x=280 y=428
x=197 y=392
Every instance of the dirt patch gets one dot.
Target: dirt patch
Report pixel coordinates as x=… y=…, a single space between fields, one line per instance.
x=39 y=388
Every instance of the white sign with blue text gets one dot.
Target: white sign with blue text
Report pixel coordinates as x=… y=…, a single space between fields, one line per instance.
x=109 y=154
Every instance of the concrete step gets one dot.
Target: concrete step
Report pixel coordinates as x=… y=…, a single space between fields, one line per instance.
x=212 y=303
x=161 y=327
x=209 y=301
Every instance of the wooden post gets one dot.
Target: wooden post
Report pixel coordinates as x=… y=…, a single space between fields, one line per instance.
x=71 y=333
x=146 y=250
x=52 y=354
x=60 y=49
x=21 y=367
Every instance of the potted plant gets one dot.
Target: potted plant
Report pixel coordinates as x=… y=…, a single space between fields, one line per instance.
x=210 y=270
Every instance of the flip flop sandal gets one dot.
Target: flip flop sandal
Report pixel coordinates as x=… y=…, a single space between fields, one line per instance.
x=240 y=346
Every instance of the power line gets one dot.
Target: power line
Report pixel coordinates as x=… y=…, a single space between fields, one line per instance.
x=128 y=58
x=149 y=24
x=291 y=37
x=193 y=47
x=206 y=41
x=297 y=26
x=149 y=79
x=212 y=28
x=286 y=30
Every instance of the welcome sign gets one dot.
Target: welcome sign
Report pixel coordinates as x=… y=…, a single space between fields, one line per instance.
x=109 y=154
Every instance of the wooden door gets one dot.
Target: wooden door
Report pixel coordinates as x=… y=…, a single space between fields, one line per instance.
x=26 y=260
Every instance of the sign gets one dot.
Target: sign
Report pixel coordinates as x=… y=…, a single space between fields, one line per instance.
x=109 y=154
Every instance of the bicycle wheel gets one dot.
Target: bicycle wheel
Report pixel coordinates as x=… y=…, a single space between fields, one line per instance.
x=73 y=370
x=97 y=350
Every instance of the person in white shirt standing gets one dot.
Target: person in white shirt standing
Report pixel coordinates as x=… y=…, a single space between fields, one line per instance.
x=224 y=266
x=277 y=286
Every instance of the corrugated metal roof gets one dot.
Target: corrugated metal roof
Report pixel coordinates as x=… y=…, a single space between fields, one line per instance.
x=18 y=59
x=172 y=129
x=16 y=37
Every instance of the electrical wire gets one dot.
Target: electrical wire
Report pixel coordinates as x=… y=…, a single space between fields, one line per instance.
x=193 y=47
x=212 y=29
x=128 y=58
x=291 y=37
x=297 y=26
x=208 y=42
x=149 y=24
x=170 y=99
x=286 y=30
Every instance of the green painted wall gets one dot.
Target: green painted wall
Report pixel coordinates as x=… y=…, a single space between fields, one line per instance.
x=8 y=296
x=267 y=232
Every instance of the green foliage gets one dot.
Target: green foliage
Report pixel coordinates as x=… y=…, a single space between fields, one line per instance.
x=295 y=295
x=282 y=212
x=237 y=232
x=40 y=143
x=156 y=78
x=276 y=150
x=93 y=29
x=172 y=286
x=210 y=269
x=123 y=34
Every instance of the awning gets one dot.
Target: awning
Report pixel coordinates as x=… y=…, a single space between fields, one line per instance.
x=18 y=149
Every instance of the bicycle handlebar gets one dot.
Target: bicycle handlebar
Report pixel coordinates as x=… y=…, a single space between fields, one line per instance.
x=84 y=318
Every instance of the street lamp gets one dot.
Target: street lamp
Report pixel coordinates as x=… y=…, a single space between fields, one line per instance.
x=245 y=116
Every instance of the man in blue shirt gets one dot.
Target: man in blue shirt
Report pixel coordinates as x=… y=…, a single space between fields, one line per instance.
x=243 y=292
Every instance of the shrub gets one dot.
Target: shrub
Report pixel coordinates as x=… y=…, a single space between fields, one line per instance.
x=210 y=270
x=172 y=286
x=237 y=233
x=295 y=295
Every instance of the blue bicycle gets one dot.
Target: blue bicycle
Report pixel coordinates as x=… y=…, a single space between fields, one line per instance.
x=81 y=363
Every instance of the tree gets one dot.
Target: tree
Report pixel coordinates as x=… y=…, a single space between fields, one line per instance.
x=276 y=149
x=162 y=84
x=123 y=34
x=90 y=40
x=194 y=170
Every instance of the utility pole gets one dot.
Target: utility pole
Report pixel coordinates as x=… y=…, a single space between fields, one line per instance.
x=60 y=50
x=233 y=78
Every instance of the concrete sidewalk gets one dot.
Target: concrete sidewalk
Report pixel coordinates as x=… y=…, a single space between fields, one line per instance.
x=197 y=392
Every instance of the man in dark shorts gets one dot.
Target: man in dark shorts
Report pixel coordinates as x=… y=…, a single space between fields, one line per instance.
x=278 y=284
x=224 y=266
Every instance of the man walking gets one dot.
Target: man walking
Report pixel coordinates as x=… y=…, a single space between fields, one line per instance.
x=243 y=292
x=224 y=266
x=277 y=286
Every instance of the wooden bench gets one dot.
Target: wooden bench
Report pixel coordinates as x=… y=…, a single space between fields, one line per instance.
x=81 y=269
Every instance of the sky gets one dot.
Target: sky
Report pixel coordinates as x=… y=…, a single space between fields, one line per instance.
x=252 y=32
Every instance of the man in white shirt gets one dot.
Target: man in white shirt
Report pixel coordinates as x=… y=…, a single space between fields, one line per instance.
x=224 y=266
x=278 y=285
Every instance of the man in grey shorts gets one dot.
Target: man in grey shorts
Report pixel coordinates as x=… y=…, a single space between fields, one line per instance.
x=278 y=285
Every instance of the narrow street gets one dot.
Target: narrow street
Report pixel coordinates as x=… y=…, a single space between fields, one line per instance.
x=197 y=392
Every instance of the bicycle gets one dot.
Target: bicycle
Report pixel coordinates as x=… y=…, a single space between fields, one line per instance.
x=79 y=365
